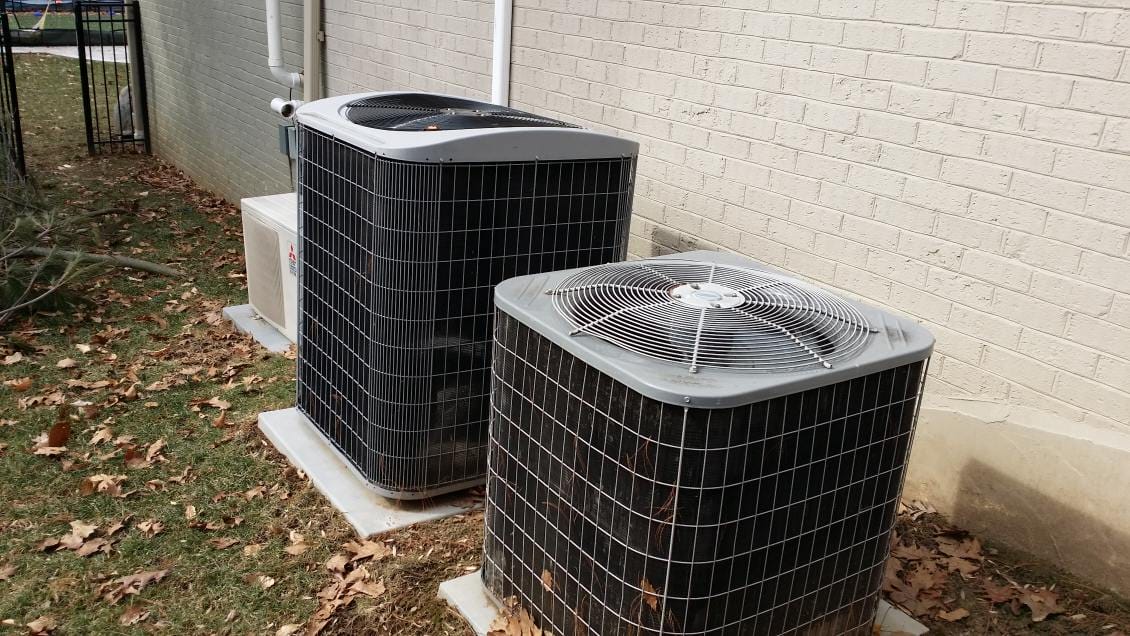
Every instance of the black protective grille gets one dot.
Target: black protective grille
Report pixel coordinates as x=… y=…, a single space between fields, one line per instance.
x=425 y=111
x=610 y=513
x=398 y=265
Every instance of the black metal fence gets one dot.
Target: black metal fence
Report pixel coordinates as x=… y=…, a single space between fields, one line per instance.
x=11 y=134
x=115 y=103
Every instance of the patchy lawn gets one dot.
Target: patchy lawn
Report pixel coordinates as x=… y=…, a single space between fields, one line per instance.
x=152 y=503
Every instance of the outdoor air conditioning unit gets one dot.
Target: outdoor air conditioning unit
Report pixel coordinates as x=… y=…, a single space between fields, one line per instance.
x=413 y=207
x=695 y=445
x=270 y=239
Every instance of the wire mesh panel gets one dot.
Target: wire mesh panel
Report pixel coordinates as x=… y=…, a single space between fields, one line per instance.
x=610 y=513
x=398 y=265
x=115 y=104
x=11 y=133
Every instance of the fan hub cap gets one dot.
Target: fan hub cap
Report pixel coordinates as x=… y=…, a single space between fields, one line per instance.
x=707 y=296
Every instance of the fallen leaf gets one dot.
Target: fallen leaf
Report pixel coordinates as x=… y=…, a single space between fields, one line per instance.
x=367 y=550
x=369 y=588
x=252 y=549
x=547 y=580
x=190 y=512
x=649 y=595
x=221 y=420
x=262 y=580
x=66 y=363
x=336 y=563
x=1042 y=602
x=61 y=431
x=103 y=434
x=131 y=585
x=954 y=615
x=13 y=358
x=132 y=616
x=82 y=530
x=19 y=384
x=289 y=629
x=94 y=546
x=109 y=484
x=150 y=528
x=42 y=625
x=6 y=571
x=223 y=543
x=83 y=348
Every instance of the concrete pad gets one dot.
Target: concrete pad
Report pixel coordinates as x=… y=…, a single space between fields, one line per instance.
x=1024 y=477
x=467 y=596
x=248 y=321
x=97 y=53
x=369 y=513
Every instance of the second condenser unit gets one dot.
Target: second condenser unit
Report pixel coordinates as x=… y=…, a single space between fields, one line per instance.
x=412 y=208
x=695 y=445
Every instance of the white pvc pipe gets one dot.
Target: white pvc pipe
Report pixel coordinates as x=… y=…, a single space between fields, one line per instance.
x=500 y=56
x=274 y=48
x=285 y=108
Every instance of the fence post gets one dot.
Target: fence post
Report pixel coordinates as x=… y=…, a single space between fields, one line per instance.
x=138 y=92
x=80 y=34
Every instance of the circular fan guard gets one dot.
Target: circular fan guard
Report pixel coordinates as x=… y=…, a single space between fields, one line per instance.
x=423 y=112
x=712 y=315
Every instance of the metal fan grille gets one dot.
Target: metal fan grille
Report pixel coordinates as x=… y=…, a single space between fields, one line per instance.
x=712 y=315
x=423 y=112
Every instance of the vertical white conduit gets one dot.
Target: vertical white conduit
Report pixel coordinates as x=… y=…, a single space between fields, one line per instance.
x=500 y=58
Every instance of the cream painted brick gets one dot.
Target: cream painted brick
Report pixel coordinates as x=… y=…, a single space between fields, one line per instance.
x=753 y=126
x=1071 y=293
x=1115 y=373
x=945 y=139
x=847 y=199
x=721 y=235
x=766 y=25
x=961 y=77
x=794 y=186
x=994 y=269
x=847 y=251
x=787 y=53
x=1112 y=98
x=897 y=68
x=851 y=148
x=772 y=155
x=931 y=250
x=767 y=202
x=743 y=47
x=1080 y=59
x=816 y=30
x=985 y=325
x=1109 y=206
x=798 y=136
x=822 y=168
x=1068 y=126
x=1041 y=88
x=975 y=16
x=831 y=59
x=1108 y=27
x=895 y=128
x=1007 y=50
x=921 y=304
x=1058 y=351
x=973 y=380
x=784 y=107
x=767 y=251
x=1027 y=311
x=1043 y=253
x=1019 y=368
x=809 y=265
x=910 y=217
x=723 y=189
x=807 y=84
x=791 y=235
x=1120 y=311
x=1060 y=22
x=872 y=36
x=970 y=233
x=877 y=180
x=854 y=9
x=957 y=345
x=976 y=174
x=936 y=196
x=795 y=6
x=746 y=220
x=1111 y=272
x=1117 y=135
x=921 y=103
x=1048 y=191
x=896 y=267
x=1024 y=396
x=830 y=117
x=1089 y=166
x=1093 y=396
x=1099 y=334
x=863 y=283
x=933 y=42
x=959 y=288
x=860 y=92
x=1018 y=152
x=1007 y=213
x=987 y=114
x=871 y=233
x=910 y=160
x=816 y=217
x=907 y=11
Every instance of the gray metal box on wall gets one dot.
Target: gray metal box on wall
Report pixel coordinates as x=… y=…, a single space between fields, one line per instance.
x=695 y=444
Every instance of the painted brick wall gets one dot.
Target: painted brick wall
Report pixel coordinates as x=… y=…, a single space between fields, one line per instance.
x=429 y=45
x=210 y=89
x=965 y=162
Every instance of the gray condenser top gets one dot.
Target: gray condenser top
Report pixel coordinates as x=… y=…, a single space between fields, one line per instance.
x=710 y=330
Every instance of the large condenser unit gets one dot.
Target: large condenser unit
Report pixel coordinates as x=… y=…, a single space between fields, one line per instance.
x=412 y=208
x=695 y=444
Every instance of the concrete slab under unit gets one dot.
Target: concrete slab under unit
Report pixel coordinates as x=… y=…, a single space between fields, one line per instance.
x=468 y=596
x=369 y=513
x=248 y=321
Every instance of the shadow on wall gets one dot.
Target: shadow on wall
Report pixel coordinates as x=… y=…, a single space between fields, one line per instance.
x=663 y=241
x=992 y=504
